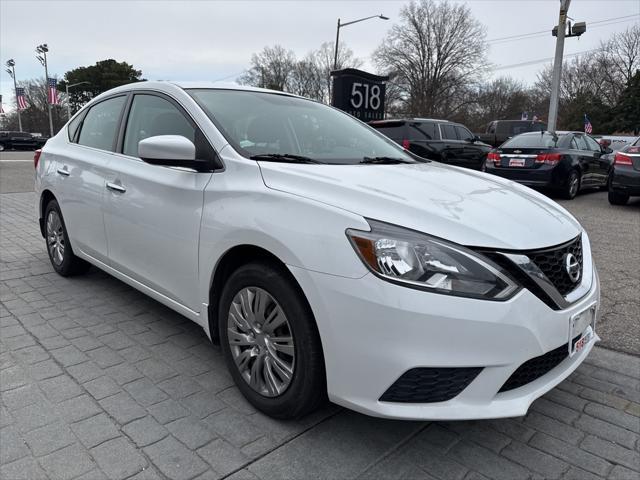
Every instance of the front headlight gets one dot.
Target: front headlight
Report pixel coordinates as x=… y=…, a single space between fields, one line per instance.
x=404 y=256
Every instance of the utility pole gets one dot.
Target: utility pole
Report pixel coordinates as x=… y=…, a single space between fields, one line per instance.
x=42 y=56
x=557 y=66
x=12 y=73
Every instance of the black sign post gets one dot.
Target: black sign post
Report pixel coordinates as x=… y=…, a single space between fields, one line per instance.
x=359 y=93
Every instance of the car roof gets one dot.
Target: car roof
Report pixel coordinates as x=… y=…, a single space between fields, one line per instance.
x=410 y=119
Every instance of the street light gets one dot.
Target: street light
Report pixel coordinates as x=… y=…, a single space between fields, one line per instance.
x=12 y=73
x=42 y=50
x=340 y=25
x=67 y=87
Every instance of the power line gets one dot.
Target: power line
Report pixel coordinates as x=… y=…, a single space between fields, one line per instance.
x=542 y=60
x=595 y=24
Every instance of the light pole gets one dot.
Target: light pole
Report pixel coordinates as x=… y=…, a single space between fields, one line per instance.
x=12 y=73
x=42 y=50
x=561 y=32
x=67 y=87
x=340 y=25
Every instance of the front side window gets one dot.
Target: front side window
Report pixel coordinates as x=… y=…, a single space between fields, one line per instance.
x=592 y=144
x=101 y=124
x=259 y=123
x=463 y=133
x=150 y=116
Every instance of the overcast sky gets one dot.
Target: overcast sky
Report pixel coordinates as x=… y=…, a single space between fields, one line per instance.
x=211 y=40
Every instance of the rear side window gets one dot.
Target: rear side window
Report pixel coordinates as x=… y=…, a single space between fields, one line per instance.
x=448 y=131
x=463 y=133
x=582 y=144
x=151 y=116
x=393 y=130
x=72 y=128
x=423 y=131
x=101 y=124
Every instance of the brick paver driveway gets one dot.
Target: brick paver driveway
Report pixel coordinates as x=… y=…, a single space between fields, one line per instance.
x=98 y=381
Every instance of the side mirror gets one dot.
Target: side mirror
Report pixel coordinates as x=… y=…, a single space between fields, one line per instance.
x=167 y=150
x=607 y=150
x=476 y=138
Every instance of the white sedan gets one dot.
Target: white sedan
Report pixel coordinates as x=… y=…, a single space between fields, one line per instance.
x=321 y=256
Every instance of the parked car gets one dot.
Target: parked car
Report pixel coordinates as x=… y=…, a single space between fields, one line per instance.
x=499 y=131
x=565 y=162
x=439 y=140
x=20 y=141
x=321 y=256
x=624 y=181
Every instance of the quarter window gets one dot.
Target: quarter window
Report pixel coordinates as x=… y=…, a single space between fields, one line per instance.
x=582 y=144
x=423 y=131
x=101 y=124
x=448 y=131
x=151 y=116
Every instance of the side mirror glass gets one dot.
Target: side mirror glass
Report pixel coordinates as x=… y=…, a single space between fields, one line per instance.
x=174 y=150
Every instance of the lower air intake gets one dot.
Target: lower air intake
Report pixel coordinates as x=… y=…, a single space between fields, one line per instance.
x=428 y=385
x=536 y=367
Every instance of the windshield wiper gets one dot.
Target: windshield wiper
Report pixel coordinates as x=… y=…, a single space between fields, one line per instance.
x=283 y=157
x=384 y=160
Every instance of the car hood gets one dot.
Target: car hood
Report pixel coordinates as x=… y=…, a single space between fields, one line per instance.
x=463 y=206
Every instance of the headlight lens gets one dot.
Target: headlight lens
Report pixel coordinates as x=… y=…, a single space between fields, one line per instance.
x=404 y=256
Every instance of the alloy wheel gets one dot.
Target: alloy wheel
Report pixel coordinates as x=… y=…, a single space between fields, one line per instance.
x=55 y=237
x=574 y=182
x=261 y=341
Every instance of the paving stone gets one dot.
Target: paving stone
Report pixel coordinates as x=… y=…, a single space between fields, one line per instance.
x=155 y=370
x=604 y=398
x=68 y=463
x=554 y=428
x=191 y=431
x=145 y=392
x=135 y=353
x=480 y=433
x=23 y=469
x=68 y=355
x=607 y=430
x=101 y=387
x=614 y=416
x=95 y=430
x=147 y=474
x=12 y=446
x=514 y=429
x=233 y=398
x=58 y=342
x=174 y=460
x=92 y=475
x=224 y=457
x=547 y=465
x=622 y=473
x=570 y=454
x=86 y=371
x=486 y=462
x=43 y=370
x=21 y=341
x=12 y=377
x=5 y=417
x=167 y=411
x=22 y=397
x=576 y=473
x=30 y=355
x=123 y=373
x=203 y=404
x=145 y=431
x=122 y=407
x=555 y=410
x=117 y=340
x=233 y=427
x=31 y=417
x=180 y=386
x=48 y=439
x=612 y=452
x=60 y=388
x=86 y=343
x=105 y=357
x=118 y=459
x=77 y=408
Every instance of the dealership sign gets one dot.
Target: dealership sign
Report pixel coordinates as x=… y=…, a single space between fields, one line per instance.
x=359 y=93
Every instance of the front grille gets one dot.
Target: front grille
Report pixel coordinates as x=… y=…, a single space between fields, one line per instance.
x=552 y=264
x=428 y=385
x=537 y=367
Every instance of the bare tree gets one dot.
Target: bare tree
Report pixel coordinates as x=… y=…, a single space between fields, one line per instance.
x=324 y=57
x=271 y=68
x=306 y=79
x=438 y=52
x=501 y=98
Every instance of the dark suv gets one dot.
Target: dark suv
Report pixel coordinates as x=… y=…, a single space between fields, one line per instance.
x=438 y=140
x=20 y=141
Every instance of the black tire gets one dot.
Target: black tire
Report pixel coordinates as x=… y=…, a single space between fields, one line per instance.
x=570 y=189
x=70 y=264
x=307 y=388
x=617 y=198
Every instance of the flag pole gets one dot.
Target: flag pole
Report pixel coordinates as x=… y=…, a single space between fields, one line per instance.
x=12 y=65
x=46 y=73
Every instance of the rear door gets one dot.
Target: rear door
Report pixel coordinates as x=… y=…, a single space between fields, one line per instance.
x=81 y=170
x=601 y=164
x=473 y=154
x=452 y=147
x=152 y=213
x=589 y=163
x=424 y=138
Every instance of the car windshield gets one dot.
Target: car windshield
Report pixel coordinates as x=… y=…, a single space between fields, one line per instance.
x=281 y=127
x=533 y=140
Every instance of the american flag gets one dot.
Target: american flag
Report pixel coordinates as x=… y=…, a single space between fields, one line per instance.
x=21 y=100
x=52 y=91
x=588 y=128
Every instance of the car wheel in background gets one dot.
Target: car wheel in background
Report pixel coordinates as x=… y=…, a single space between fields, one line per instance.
x=270 y=341
x=572 y=185
x=617 y=198
x=59 y=249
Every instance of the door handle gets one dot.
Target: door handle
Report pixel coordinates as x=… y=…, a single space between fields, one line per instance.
x=114 y=187
x=64 y=172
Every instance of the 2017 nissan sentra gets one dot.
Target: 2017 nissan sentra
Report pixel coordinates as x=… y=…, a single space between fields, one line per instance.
x=324 y=258
x=564 y=161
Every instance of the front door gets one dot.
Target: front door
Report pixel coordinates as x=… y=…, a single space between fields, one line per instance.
x=152 y=213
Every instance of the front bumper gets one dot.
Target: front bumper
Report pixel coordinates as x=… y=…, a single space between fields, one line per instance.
x=373 y=331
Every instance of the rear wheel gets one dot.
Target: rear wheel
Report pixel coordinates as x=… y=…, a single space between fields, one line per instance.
x=617 y=198
x=572 y=185
x=59 y=249
x=270 y=341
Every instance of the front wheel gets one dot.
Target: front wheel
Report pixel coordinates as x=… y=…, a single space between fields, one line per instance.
x=571 y=186
x=617 y=198
x=59 y=249
x=270 y=341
